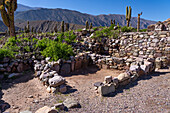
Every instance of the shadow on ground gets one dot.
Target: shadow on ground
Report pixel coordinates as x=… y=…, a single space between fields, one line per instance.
x=120 y=89
x=8 y=83
x=84 y=71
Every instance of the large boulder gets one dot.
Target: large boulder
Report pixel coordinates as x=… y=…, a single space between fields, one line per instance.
x=106 y=89
x=56 y=81
x=123 y=76
x=124 y=79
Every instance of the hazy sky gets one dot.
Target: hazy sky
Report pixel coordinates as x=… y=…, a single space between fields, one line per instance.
x=158 y=10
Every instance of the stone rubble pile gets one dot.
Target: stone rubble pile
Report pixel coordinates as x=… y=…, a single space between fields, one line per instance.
x=137 y=68
x=50 y=73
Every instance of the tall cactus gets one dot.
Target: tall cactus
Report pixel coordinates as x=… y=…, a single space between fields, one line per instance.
x=67 y=26
x=87 y=25
x=28 y=26
x=7 y=8
x=62 y=26
x=91 y=25
x=138 y=26
x=114 y=22
x=55 y=28
x=32 y=29
x=111 y=22
x=128 y=14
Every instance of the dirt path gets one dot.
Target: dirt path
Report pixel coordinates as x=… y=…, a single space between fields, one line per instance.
x=149 y=94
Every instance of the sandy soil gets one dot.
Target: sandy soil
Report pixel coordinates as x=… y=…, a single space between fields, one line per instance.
x=148 y=94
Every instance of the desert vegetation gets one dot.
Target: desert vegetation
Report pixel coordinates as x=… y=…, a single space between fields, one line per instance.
x=126 y=53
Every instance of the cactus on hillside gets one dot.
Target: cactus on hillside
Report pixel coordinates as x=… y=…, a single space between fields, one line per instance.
x=7 y=8
x=138 y=26
x=111 y=22
x=114 y=22
x=62 y=26
x=87 y=25
x=28 y=27
x=55 y=29
x=32 y=29
x=91 y=25
x=128 y=15
x=67 y=26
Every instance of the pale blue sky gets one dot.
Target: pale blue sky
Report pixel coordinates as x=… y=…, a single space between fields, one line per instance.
x=152 y=9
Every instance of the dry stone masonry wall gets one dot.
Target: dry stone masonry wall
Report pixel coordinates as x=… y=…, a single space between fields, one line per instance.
x=136 y=53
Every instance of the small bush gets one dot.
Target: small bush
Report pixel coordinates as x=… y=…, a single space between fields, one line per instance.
x=142 y=30
x=6 y=53
x=42 y=44
x=57 y=50
x=12 y=44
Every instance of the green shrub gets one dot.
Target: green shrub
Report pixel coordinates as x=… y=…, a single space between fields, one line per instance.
x=6 y=53
x=142 y=30
x=57 y=50
x=11 y=44
x=128 y=29
x=42 y=44
x=69 y=37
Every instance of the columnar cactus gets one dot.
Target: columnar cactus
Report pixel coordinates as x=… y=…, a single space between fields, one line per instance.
x=87 y=25
x=28 y=26
x=32 y=29
x=138 y=26
x=67 y=26
x=91 y=25
x=128 y=14
x=55 y=29
x=7 y=8
x=111 y=22
x=114 y=22
x=62 y=26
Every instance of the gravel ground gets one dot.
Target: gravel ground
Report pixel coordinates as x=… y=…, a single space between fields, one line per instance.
x=149 y=94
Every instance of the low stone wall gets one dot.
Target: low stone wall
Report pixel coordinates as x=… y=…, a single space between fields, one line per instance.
x=51 y=73
x=142 y=52
x=8 y=65
x=139 y=67
x=138 y=44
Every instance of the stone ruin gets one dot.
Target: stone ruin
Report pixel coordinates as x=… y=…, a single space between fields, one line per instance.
x=160 y=26
x=138 y=54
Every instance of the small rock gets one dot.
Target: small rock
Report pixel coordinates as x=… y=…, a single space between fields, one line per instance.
x=35 y=101
x=30 y=96
x=48 y=89
x=71 y=103
x=60 y=106
x=46 y=109
x=108 y=79
x=25 y=112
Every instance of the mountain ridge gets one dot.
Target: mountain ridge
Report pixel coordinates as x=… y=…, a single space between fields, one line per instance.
x=76 y=17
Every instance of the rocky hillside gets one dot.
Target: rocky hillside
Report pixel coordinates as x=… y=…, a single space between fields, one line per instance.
x=25 y=8
x=76 y=17
x=47 y=26
x=2 y=27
